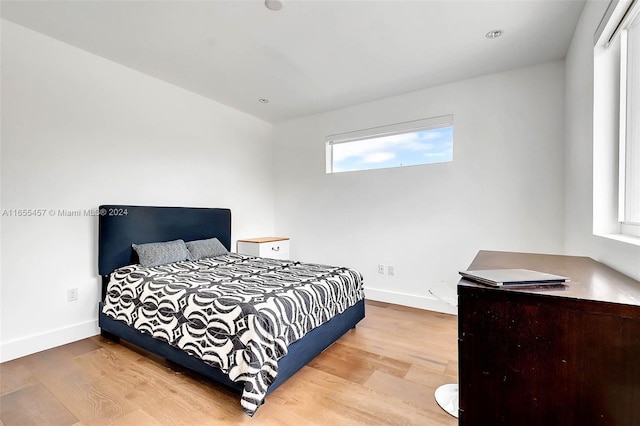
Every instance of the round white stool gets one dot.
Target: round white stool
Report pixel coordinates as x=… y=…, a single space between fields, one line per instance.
x=447 y=398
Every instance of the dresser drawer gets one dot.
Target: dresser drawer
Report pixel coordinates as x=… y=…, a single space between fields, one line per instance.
x=271 y=247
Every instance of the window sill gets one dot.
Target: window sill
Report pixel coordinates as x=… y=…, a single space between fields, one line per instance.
x=623 y=238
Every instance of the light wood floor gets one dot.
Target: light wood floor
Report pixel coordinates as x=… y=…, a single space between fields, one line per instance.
x=383 y=372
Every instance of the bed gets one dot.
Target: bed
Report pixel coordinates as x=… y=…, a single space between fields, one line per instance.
x=246 y=322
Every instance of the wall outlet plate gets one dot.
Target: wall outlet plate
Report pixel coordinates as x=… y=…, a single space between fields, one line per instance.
x=72 y=294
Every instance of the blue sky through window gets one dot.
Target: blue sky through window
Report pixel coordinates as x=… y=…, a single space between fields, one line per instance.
x=406 y=149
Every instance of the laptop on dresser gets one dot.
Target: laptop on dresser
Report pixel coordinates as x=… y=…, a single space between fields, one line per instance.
x=513 y=277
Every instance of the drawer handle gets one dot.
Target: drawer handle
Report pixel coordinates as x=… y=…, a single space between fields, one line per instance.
x=275 y=248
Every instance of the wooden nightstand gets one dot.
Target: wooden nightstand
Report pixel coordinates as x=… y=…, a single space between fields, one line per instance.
x=272 y=247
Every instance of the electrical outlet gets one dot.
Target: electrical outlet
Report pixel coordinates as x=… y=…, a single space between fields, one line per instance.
x=381 y=269
x=391 y=270
x=72 y=294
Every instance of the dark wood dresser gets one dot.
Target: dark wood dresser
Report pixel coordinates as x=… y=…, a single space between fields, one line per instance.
x=566 y=355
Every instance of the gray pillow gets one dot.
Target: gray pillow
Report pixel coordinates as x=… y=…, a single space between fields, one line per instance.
x=206 y=248
x=154 y=254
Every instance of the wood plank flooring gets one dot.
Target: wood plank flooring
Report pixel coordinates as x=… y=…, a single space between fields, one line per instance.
x=384 y=372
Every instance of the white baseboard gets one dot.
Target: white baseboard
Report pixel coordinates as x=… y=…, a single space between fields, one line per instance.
x=39 y=342
x=412 y=300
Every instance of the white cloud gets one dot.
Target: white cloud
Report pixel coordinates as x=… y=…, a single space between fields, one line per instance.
x=378 y=157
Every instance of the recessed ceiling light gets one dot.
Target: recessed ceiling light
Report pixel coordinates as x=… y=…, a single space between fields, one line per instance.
x=273 y=4
x=263 y=101
x=493 y=34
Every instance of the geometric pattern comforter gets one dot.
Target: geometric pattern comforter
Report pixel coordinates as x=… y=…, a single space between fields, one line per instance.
x=238 y=313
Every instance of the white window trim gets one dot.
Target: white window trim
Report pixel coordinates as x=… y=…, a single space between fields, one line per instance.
x=622 y=150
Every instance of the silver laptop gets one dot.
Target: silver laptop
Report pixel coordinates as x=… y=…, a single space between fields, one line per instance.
x=513 y=277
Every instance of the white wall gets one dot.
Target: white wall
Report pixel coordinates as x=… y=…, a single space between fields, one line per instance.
x=79 y=131
x=503 y=191
x=579 y=149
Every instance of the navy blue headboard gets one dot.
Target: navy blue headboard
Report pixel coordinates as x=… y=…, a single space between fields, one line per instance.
x=121 y=225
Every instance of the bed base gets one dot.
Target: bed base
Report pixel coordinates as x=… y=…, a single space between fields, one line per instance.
x=300 y=352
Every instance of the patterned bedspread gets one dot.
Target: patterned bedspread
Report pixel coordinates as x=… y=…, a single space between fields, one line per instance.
x=235 y=312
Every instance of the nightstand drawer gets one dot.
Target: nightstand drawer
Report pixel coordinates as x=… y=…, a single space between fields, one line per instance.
x=272 y=247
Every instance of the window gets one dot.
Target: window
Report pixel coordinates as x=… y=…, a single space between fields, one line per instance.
x=617 y=122
x=629 y=163
x=405 y=144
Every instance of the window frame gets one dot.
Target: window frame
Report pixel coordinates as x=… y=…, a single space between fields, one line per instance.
x=610 y=127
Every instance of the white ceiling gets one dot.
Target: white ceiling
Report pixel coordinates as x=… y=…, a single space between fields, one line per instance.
x=311 y=56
